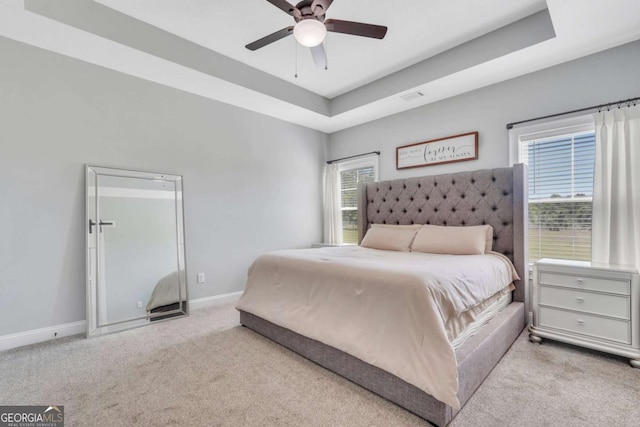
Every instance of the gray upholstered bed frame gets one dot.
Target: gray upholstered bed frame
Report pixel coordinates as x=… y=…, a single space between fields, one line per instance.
x=491 y=196
x=496 y=197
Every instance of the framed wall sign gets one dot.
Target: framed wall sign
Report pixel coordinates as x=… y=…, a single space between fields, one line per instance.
x=456 y=148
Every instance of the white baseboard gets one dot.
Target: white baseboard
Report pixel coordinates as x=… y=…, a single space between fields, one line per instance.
x=52 y=332
x=43 y=334
x=195 y=304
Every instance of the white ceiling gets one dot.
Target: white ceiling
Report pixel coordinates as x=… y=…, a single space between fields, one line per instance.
x=416 y=31
x=365 y=76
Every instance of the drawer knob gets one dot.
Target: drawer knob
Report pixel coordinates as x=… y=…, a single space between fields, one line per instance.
x=580 y=300
x=580 y=322
x=580 y=281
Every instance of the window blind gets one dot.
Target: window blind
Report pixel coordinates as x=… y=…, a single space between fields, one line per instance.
x=560 y=182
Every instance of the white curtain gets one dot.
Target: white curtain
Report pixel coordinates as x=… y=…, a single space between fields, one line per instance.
x=616 y=191
x=332 y=212
x=103 y=312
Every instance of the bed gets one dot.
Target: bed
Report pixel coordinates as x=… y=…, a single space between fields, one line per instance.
x=166 y=298
x=496 y=197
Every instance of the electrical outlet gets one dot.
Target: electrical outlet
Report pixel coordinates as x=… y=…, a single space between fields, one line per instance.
x=200 y=277
x=139 y=304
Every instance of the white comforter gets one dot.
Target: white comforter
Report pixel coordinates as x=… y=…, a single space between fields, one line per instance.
x=386 y=308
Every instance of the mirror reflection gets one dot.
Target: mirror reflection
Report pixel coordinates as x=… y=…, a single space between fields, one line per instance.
x=135 y=255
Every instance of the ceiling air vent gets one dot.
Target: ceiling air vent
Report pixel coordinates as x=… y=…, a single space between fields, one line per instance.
x=412 y=96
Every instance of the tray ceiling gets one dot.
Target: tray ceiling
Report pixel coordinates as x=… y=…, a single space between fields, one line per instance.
x=440 y=47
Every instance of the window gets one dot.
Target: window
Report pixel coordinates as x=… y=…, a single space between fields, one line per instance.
x=560 y=157
x=351 y=174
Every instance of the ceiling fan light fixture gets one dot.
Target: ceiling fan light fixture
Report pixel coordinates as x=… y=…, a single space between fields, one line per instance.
x=310 y=32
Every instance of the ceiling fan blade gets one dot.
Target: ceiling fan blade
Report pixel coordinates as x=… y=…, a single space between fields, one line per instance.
x=270 y=38
x=356 y=28
x=319 y=7
x=285 y=6
x=319 y=56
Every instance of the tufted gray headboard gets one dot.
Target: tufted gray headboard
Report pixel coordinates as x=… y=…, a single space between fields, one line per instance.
x=497 y=197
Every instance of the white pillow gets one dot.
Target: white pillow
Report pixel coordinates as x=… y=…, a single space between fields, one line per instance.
x=489 y=245
x=390 y=237
x=436 y=239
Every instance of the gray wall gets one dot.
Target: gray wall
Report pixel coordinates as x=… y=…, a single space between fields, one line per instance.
x=251 y=183
x=603 y=77
x=139 y=251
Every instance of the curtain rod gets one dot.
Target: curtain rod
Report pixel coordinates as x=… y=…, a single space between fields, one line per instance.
x=351 y=157
x=608 y=105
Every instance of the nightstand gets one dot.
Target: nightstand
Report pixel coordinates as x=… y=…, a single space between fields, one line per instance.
x=587 y=304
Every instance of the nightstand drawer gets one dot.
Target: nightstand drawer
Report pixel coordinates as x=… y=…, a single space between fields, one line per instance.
x=586 y=324
x=589 y=283
x=608 y=305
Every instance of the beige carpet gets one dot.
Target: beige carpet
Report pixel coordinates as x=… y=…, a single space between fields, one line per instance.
x=206 y=370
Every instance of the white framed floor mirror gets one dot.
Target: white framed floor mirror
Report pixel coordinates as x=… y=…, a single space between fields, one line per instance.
x=136 y=267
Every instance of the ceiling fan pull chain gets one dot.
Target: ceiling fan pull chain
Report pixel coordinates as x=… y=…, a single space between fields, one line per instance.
x=326 y=50
x=295 y=55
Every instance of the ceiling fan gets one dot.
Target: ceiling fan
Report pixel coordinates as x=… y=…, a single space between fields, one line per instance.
x=311 y=28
